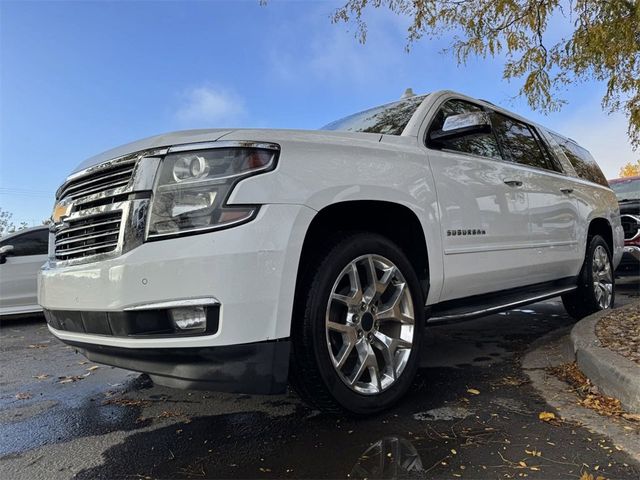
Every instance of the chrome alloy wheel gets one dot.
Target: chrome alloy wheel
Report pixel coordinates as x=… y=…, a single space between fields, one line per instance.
x=602 y=277
x=369 y=324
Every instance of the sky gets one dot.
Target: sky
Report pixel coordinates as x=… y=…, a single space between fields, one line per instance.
x=78 y=78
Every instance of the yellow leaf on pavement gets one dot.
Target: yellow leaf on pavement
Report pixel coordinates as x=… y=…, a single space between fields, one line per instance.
x=546 y=416
x=473 y=391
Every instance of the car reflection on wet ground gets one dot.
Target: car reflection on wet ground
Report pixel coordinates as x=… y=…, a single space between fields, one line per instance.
x=471 y=413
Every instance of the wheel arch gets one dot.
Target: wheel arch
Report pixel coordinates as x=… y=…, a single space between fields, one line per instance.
x=601 y=226
x=401 y=225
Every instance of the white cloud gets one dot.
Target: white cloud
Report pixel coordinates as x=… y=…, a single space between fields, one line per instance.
x=208 y=106
x=605 y=136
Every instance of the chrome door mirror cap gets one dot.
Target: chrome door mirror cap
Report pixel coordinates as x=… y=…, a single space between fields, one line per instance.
x=462 y=125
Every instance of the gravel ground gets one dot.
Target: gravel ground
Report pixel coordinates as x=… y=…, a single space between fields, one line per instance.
x=620 y=331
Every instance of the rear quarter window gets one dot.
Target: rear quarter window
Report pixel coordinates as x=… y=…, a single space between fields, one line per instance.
x=582 y=161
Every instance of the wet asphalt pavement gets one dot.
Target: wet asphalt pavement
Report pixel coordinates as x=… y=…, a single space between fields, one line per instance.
x=471 y=413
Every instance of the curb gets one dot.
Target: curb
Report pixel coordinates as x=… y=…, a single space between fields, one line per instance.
x=613 y=374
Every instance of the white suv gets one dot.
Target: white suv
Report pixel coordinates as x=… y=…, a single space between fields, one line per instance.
x=237 y=260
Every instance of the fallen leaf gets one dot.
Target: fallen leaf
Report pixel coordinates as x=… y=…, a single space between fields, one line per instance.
x=522 y=464
x=69 y=379
x=634 y=417
x=42 y=376
x=473 y=391
x=92 y=368
x=167 y=414
x=23 y=395
x=453 y=450
x=546 y=416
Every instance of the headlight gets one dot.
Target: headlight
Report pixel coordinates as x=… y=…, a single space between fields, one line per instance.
x=192 y=187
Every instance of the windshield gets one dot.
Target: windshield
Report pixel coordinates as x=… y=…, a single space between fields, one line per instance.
x=389 y=119
x=626 y=188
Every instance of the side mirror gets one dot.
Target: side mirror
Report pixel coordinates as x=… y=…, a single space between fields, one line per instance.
x=461 y=125
x=4 y=252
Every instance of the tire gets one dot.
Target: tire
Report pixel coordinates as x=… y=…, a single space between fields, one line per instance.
x=596 y=282
x=339 y=332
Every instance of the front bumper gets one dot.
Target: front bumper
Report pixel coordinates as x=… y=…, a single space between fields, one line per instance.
x=250 y=270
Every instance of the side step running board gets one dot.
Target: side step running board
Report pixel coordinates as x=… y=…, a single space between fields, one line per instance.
x=491 y=305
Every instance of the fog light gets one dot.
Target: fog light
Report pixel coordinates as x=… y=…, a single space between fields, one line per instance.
x=192 y=319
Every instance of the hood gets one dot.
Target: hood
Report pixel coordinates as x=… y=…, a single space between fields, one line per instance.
x=327 y=137
x=157 y=141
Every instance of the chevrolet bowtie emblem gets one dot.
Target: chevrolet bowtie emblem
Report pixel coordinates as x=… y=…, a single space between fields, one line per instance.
x=60 y=211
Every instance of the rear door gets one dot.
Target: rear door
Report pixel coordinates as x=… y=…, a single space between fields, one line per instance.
x=553 y=215
x=18 y=275
x=483 y=209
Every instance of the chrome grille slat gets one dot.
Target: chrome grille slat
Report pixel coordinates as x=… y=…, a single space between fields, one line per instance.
x=91 y=249
x=88 y=236
x=64 y=241
x=73 y=229
x=97 y=189
x=92 y=180
x=99 y=181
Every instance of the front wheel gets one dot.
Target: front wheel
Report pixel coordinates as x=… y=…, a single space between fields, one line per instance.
x=357 y=345
x=596 y=284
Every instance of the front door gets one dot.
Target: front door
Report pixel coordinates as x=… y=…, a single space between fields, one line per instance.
x=484 y=211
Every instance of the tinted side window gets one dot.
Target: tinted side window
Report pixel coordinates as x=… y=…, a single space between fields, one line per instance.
x=518 y=142
x=484 y=144
x=30 y=243
x=582 y=161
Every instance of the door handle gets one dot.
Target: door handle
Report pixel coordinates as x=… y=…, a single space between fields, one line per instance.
x=566 y=191
x=513 y=183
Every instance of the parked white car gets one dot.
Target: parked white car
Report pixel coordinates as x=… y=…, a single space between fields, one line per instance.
x=22 y=253
x=238 y=259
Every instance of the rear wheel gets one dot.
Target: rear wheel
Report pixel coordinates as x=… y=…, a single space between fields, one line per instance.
x=356 y=347
x=596 y=284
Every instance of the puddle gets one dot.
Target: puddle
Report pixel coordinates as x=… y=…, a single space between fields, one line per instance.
x=442 y=413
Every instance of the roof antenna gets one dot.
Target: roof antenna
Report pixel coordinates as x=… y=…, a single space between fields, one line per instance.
x=407 y=94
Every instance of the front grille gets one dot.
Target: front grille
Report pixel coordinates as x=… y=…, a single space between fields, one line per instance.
x=88 y=236
x=630 y=225
x=100 y=181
